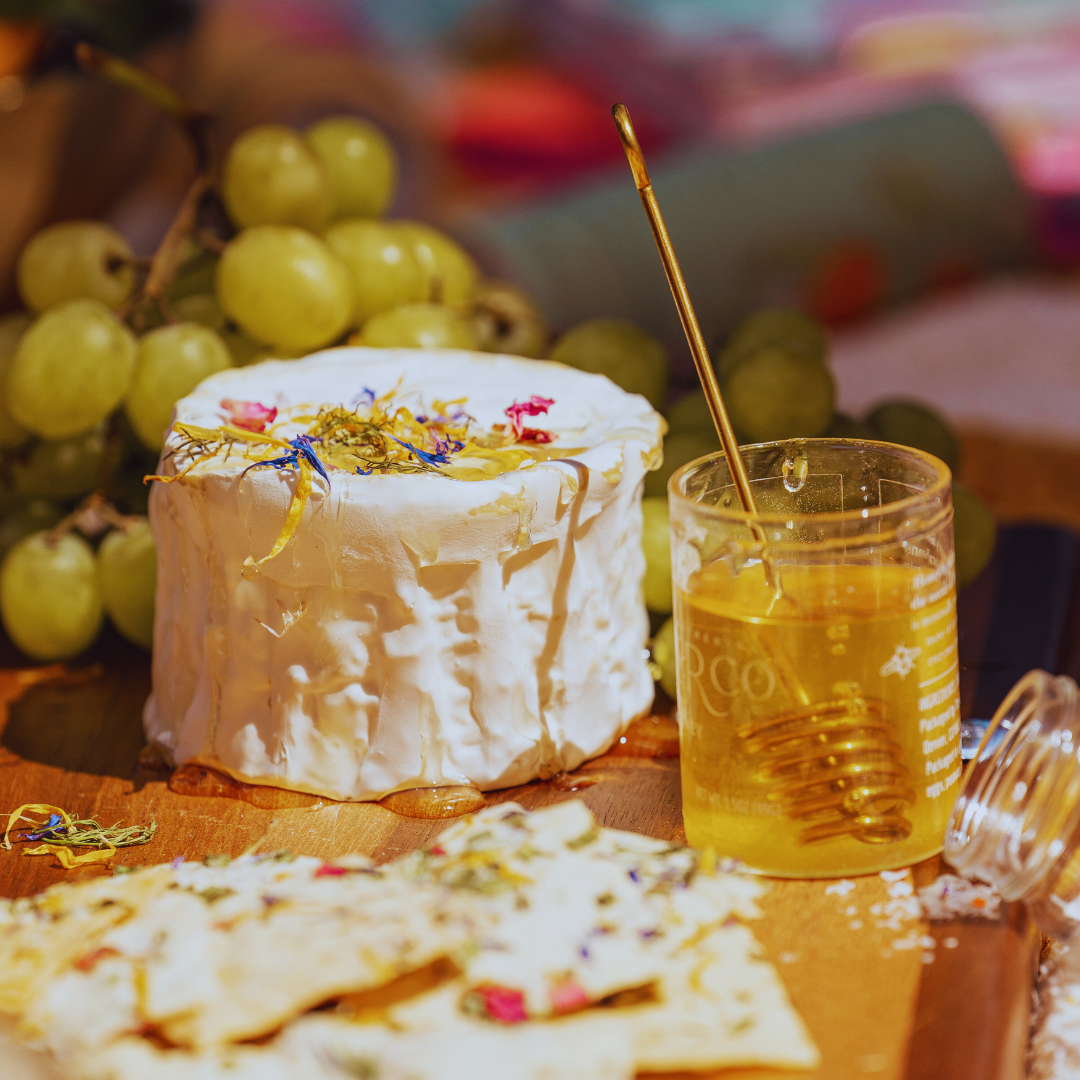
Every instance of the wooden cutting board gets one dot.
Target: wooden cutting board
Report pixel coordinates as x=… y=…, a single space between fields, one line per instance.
x=885 y=997
x=955 y=1006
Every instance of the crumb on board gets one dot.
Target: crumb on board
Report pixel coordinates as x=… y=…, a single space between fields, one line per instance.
x=839 y=888
x=1054 y=1052
x=953 y=897
x=894 y=875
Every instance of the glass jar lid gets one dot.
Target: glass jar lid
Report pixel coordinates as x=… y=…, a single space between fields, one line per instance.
x=1019 y=804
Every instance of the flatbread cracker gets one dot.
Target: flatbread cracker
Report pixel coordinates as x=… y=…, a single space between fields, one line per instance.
x=529 y=946
x=235 y=961
x=325 y=1048
x=717 y=1002
x=43 y=935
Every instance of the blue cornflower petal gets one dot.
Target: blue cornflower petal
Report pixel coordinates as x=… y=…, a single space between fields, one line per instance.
x=277 y=463
x=423 y=455
x=301 y=445
x=47 y=831
x=304 y=446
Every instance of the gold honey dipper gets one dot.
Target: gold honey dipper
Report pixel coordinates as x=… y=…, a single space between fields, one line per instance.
x=833 y=764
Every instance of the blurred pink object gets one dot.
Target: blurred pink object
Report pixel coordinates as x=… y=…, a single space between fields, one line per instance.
x=1003 y=356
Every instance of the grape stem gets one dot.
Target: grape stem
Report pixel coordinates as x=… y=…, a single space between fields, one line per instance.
x=196 y=122
x=91 y=517
x=166 y=259
x=208 y=239
x=196 y=125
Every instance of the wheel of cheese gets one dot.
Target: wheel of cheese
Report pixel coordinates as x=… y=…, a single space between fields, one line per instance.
x=417 y=629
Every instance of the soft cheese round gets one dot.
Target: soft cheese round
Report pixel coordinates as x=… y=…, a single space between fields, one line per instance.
x=416 y=630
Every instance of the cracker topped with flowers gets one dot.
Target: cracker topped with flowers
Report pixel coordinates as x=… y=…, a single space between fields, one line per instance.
x=517 y=946
x=387 y=569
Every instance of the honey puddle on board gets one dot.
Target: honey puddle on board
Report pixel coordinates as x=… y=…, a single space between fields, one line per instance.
x=433 y=803
x=856 y=774
x=204 y=782
x=428 y=802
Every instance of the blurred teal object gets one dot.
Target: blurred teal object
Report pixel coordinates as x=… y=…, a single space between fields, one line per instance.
x=839 y=223
x=406 y=25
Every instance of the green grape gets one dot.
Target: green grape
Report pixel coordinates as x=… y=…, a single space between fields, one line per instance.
x=678 y=450
x=910 y=424
x=273 y=177
x=284 y=287
x=269 y=352
x=507 y=321
x=418 y=326
x=360 y=165
x=626 y=354
x=203 y=308
x=847 y=427
x=49 y=598
x=690 y=413
x=173 y=360
x=974 y=534
x=195 y=274
x=663 y=654
x=789 y=330
x=71 y=369
x=245 y=351
x=127 y=574
x=30 y=516
x=776 y=394
x=383 y=268
x=12 y=328
x=448 y=268
x=656 y=542
x=60 y=469
x=75 y=260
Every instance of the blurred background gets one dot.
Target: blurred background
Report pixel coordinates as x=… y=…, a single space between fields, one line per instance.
x=845 y=156
x=904 y=175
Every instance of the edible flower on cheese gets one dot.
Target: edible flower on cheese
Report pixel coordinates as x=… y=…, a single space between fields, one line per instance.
x=374 y=436
x=249 y=415
x=535 y=406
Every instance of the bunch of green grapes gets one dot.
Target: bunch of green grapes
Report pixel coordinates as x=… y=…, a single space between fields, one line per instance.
x=314 y=260
x=91 y=370
x=55 y=591
x=66 y=364
x=617 y=348
x=775 y=378
x=84 y=404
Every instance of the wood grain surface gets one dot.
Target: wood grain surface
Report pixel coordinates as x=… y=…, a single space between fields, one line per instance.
x=1023 y=479
x=878 y=998
x=884 y=996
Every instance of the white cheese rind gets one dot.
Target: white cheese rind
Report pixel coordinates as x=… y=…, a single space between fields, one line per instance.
x=416 y=630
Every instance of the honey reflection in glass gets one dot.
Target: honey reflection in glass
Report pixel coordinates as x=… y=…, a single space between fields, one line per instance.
x=817 y=659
